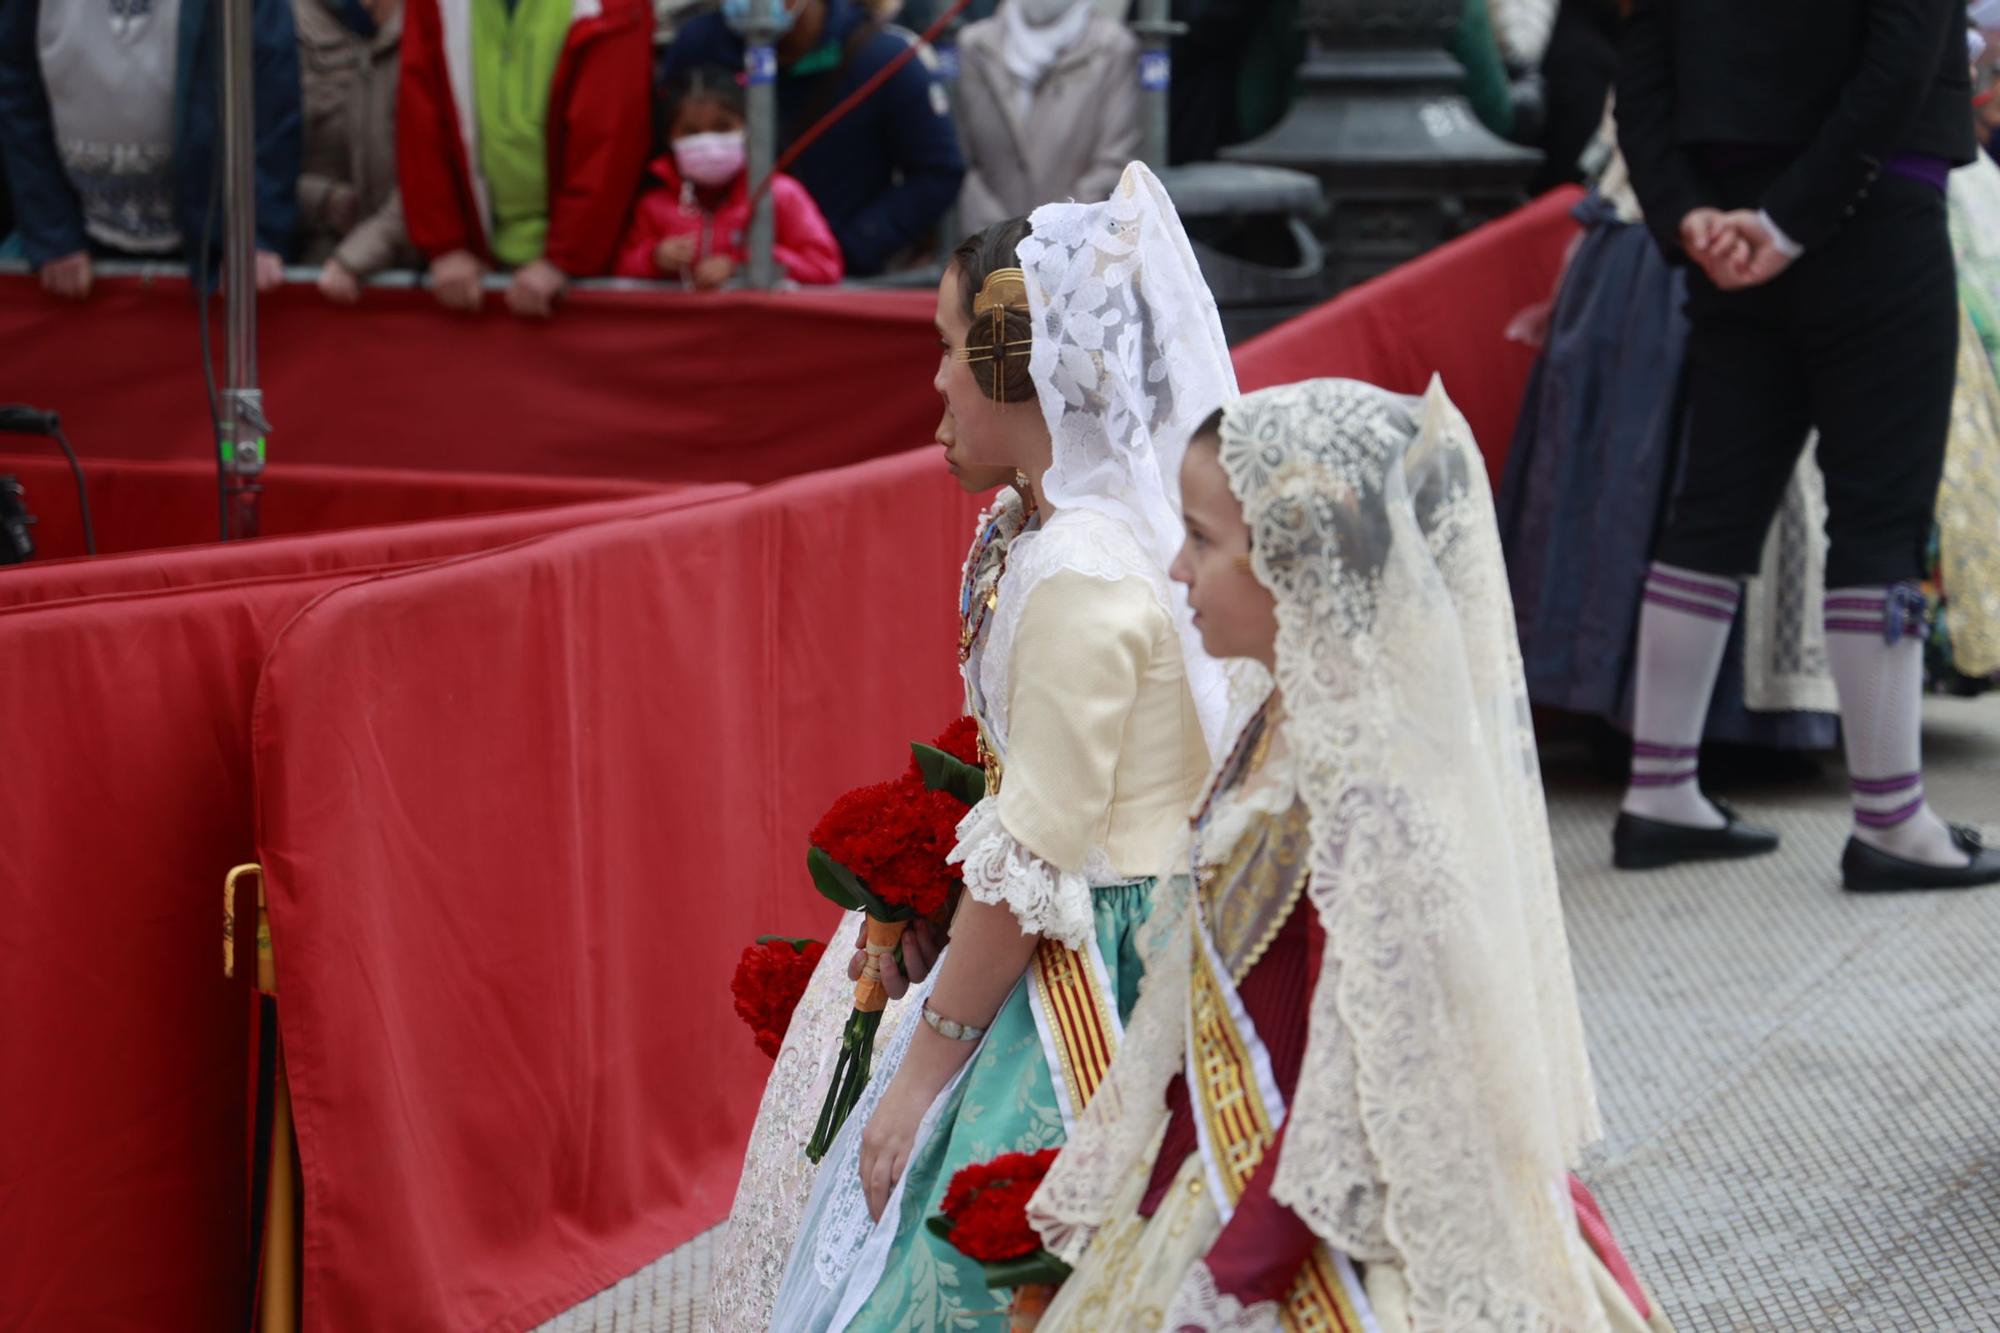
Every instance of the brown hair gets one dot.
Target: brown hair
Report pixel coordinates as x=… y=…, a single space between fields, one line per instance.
x=1002 y=372
x=1210 y=428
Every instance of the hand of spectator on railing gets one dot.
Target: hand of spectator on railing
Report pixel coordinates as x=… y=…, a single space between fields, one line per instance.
x=713 y=271
x=455 y=277
x=337 y=284
x=270 y=272
x=343 y=208
x=68 y=277
x=674 y=254
x=536 y=288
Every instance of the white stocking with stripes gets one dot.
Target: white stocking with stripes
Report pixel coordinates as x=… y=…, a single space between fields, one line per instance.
x=1880 y=674
x=1683 y=630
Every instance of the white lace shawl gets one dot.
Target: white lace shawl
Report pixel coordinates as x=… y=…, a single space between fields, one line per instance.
x=1445 y=1087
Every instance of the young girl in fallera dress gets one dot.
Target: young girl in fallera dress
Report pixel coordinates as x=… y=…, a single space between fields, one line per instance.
x=1080 y=347
x=1356 y=1083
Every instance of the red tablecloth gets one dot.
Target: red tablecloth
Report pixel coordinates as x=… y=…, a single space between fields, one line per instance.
x=519 y=815
x=125 y=723
x=654 y=385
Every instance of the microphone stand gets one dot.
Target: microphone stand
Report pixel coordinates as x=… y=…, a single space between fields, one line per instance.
x=243 y=424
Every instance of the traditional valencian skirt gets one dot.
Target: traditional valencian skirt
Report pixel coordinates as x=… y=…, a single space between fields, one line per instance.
x=1019 y=1093
x=1136 y=1264
x=1593 y=464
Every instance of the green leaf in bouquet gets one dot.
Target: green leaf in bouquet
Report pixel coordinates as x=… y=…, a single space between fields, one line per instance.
x=842 y=886
x=1038 y=1269
x=835 y=882
x=950 y=774
x=798 y=946
x=940 y=1226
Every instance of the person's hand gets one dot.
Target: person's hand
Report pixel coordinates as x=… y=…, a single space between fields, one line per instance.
x=920 y=950
x=343 y=208
x=674 y=254
x=455 y=277
x=68 y=277
x=1756 y=258
x=889 y=1139
x=1711 y=242
x=713 y=271
x=536 y=288
x=270 y=272
x=337 y=284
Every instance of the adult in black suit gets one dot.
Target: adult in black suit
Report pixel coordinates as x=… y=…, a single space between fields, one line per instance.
x=1796 y=152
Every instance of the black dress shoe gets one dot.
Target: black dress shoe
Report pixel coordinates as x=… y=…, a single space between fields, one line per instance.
x=1865 y=869
x=1638 y=843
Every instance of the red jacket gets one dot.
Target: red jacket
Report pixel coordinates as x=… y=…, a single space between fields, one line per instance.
x=806 y=249
x=599 y=131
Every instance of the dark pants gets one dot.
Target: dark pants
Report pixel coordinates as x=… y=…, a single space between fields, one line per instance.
x=1859 y=338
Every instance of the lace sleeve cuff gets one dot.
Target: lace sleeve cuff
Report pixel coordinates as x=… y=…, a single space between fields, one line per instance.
x=999 y=871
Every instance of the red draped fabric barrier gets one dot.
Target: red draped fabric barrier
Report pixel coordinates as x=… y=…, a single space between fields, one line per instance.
x=506 y=902
x=652 y=385
x=1445 y=314
x=148 y=506
x=126 y=724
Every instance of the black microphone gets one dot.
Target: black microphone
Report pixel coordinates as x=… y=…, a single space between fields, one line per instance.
x=20 y=419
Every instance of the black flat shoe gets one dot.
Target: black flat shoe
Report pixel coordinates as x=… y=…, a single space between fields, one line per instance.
x=1865 y=869
x=1638 y=843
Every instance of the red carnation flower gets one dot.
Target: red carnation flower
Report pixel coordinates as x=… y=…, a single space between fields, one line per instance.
x=770 y=978
x=987 y=1203
x=960 y=740
x=894 y=837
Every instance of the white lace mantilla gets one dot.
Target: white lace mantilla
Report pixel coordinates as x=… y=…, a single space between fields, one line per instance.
x=1045 y=901
x=1079 y=541
x=1128 y=357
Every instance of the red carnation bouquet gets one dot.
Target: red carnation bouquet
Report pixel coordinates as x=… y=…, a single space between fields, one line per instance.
x=986 y=1218
x=881 y=850
x=770 y=978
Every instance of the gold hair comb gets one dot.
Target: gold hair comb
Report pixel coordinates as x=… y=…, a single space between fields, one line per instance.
x=1004 y=289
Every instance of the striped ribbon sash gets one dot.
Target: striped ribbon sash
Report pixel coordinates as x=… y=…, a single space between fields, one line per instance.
x=1238 y=1110
x=1069 y=993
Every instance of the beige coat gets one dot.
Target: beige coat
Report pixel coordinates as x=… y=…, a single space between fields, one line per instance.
x=349 y=206
x=1082 y=129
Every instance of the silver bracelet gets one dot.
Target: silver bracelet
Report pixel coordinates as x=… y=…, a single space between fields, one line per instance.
x=950 y=1028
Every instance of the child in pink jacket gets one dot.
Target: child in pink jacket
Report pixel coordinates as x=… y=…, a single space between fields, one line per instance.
x=694 y=224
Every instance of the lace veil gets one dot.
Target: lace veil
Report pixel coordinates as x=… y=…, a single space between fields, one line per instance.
x=1446 y=1087
x=1128 y=359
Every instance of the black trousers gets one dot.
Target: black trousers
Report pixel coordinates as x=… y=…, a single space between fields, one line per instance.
x=1859 y=338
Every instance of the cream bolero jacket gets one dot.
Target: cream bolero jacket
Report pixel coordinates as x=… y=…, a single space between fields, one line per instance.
x=1081 y=690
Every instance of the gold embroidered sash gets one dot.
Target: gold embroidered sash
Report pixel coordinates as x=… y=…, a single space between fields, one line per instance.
x=1238 y=1110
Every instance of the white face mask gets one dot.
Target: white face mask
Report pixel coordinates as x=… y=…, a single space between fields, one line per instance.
x=710 y=159
x=1041 y=13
